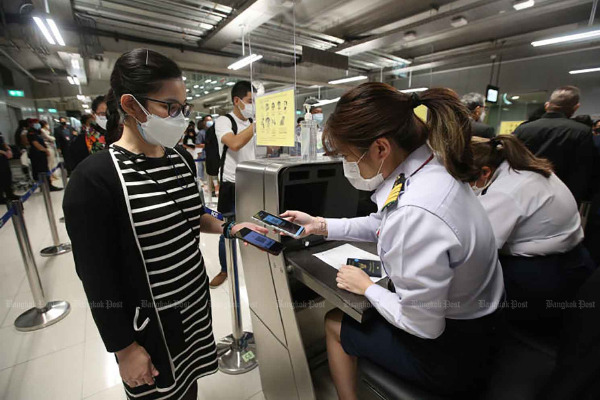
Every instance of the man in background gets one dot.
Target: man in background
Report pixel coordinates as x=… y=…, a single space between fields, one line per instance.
x=475 y=102
x=297 y=150
x=64 y=135
x=568 y=144
x=241 y=143
x=6 y=192
x=317 y=115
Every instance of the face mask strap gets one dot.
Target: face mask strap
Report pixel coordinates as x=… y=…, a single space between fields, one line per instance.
x=143 y=108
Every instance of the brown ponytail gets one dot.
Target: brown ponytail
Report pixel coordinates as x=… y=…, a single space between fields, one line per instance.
x=373 y=110
x=492 y=152
x=450 y=132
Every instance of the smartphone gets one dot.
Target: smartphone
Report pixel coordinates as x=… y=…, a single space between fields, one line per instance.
x=371 y=267
x=260 y=241
x=279 y=224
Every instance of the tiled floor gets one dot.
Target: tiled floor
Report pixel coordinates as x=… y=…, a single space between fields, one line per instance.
x=68 y=360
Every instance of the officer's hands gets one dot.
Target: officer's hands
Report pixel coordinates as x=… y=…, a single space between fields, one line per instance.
x=312 y=225
x=353 y=279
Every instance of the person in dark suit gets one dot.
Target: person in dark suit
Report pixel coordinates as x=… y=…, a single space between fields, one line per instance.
x=475 y=102
x=64 y=136
x=568 y=144
x=596 y=131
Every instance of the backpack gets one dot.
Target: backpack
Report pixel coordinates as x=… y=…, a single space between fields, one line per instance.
x=214 y=160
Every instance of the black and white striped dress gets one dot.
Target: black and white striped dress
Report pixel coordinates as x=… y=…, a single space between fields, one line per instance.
x=165 y=209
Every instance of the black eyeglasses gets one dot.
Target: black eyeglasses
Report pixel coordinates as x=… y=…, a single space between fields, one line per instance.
x=174 y=107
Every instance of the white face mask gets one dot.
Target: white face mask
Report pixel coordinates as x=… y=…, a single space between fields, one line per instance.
x=318 y=117
x=164 y=132
x=352 y=173
x=101 y=121
x=482 y=117
x=248 y=111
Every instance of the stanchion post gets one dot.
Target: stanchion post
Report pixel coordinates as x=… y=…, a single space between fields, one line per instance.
x=58 y=247
x=240 y=357
x=44 y=313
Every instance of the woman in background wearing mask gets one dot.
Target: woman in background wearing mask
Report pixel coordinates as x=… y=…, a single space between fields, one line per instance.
x=137 y=252
x=438 y=317
x=94 y=140
x=536 y=224
x=38 y=152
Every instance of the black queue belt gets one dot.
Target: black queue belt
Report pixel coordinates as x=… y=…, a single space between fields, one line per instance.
x=44 y=313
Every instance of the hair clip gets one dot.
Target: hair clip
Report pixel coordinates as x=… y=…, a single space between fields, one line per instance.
x=415 y=100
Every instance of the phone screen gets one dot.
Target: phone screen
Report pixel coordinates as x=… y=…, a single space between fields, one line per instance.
x=280 y=223
x=260 y=241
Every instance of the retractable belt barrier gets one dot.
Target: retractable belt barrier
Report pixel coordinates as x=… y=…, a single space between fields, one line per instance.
x=44 y=313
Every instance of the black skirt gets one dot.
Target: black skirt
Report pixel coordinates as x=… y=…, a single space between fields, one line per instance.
x=452 y=363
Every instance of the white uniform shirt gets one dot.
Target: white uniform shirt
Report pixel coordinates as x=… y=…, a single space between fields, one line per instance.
x=531 y=215
x=436 y=245
x=233 y=158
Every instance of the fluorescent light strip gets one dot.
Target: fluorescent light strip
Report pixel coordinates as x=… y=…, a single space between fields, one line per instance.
x=76 y=80
x=325 y=102
x=245 y=61
x=55 y=31
x=71 y=81
x=584 y=71
x=351 y=79
x=75 y=63
x=521 y=5
x=413 y=90
x=44 y=30
x=567 y=38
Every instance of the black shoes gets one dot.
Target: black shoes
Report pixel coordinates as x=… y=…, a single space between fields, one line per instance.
x=55 y=189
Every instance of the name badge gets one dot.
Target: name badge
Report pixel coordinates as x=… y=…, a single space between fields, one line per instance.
x=214 y=213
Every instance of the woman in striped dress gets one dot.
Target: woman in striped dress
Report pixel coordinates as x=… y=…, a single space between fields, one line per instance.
x=134 y=216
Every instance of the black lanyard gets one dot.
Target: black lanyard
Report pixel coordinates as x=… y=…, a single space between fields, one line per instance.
x=176 y=170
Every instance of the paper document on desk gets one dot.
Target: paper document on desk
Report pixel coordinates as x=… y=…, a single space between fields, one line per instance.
x=338 y=256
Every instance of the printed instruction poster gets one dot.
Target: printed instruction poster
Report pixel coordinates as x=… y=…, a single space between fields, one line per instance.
x=276 y=118
x=508 y=127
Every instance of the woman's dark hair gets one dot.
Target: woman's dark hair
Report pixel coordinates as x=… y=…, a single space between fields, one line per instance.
x=374 y=110
x=137 y=72
x=85 y=118
x=492 y=152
